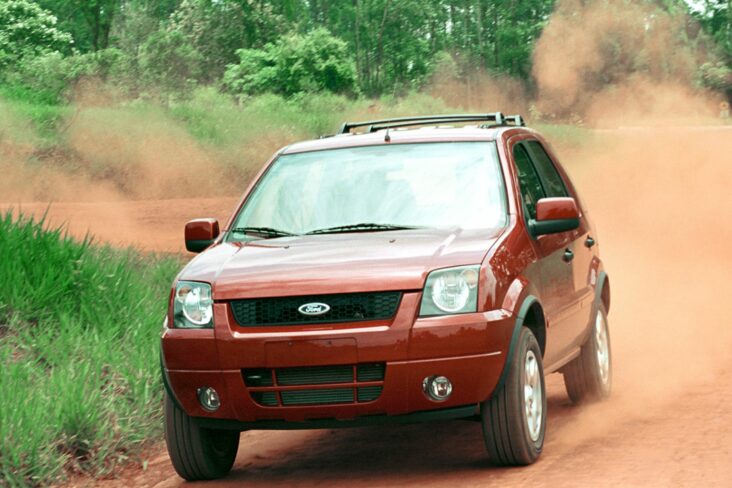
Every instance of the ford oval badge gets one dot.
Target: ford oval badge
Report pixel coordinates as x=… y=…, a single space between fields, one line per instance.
x=314 y=308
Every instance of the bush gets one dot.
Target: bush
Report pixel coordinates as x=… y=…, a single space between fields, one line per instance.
x=53 y=74
x=716 y=76
x=78 y=340
x=314 y=62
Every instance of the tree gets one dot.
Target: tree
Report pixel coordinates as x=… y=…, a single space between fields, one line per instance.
x=26 y=30
x=167 y=59
x=217 y=28
x=89 y=21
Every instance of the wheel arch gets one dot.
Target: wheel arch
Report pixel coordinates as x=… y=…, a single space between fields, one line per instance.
x=531 y=315
x=603 y=290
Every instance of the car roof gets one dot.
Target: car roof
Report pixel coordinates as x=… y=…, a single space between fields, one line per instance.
x=404 y=136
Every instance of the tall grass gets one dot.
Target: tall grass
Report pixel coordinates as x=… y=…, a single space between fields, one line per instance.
x=41 y=109
x=78 y=341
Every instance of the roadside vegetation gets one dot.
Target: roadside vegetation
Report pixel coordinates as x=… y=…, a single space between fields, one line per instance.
x=79 y=330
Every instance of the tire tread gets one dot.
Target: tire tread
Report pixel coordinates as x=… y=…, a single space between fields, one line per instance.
x=503 y=430
x=190 y=446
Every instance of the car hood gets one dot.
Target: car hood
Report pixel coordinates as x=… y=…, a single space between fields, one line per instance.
x=335 y=263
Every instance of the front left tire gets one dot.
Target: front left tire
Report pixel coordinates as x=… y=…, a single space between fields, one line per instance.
x=197 y=453
x=514 y=418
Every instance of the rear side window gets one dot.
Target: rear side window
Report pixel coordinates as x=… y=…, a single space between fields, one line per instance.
x=529 y=182
x=553 y=183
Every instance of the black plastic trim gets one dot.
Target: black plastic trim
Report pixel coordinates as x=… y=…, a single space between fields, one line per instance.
x=466 y=411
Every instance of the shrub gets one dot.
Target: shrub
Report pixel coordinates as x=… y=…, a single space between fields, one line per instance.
x=716 y=76
x=314 y=62
x=53 y=74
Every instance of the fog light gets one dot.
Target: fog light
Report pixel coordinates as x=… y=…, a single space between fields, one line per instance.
x=209 y=399
x=438 y=388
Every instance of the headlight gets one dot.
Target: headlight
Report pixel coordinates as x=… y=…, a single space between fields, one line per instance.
x=193 y=305
x=451 y=290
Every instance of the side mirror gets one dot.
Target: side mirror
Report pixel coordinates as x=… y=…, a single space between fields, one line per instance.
x=200 y=234
x=554 y=215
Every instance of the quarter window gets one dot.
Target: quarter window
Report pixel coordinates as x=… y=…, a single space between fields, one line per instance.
x=529 y=183
x=553 y=183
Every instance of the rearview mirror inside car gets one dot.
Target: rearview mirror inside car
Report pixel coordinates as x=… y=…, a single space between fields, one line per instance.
x=554 y=215
x=200 y=233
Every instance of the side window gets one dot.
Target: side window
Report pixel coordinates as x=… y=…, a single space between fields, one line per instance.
x=529 y=182
x=553 y=183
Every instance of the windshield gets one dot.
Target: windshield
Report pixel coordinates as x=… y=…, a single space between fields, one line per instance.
x=453 y=184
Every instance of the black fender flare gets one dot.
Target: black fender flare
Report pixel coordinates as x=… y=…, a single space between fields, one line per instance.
x=599 y=288
x=528 y=302
x=602 y=280
x=166 y=382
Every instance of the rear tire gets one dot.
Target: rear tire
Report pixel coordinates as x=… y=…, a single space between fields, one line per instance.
x=589 y=376
x=514 y=418
x=197 y=453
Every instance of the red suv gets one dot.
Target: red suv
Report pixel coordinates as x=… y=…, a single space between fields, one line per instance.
x=402 y=270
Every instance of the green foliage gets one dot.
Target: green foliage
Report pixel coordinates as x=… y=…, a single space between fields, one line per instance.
x=313 y=62
x=78 y=338
x=169 y=61
x=37 y=107
x=27 y=30
x=395 y=46
x=53 y=73
x=89 y=21
x=216 y=29
x=716 y=76
x=716 y=18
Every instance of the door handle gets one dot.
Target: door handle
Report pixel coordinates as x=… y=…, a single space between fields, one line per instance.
x=568 y=255
x=589 y=242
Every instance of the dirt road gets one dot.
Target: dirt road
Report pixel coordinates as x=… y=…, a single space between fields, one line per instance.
x=661 y=200
x=148 y=225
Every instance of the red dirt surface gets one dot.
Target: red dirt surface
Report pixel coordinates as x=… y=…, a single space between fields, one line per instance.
x=660 y=198
x=147 y=225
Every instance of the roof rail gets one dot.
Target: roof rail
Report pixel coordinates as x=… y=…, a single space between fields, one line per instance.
x=495 y=118
x=516 y=120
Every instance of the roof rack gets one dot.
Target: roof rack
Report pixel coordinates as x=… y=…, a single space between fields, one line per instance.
x=495 y=119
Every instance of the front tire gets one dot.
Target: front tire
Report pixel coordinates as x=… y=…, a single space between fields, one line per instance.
x=197 y=453
x=514 y=418
x=589 y=376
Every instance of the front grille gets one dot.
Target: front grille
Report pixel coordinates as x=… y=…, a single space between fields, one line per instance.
x=283 y=387
x=344 y=307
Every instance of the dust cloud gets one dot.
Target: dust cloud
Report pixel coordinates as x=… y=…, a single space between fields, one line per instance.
x=660 y=200
x=126 y=173
x=657 y=183
x=618 y=62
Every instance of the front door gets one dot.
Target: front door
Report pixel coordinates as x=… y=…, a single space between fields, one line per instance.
x=555 y=252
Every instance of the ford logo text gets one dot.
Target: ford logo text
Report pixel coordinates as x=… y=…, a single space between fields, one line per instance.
x=314 y=308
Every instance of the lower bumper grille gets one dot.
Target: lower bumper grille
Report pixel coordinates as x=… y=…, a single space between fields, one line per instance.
x=315 y=385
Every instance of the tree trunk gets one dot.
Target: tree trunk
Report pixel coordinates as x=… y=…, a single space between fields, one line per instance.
x=380 y=43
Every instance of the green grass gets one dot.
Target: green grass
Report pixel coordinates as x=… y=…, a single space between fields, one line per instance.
x=42 y=109
x=79 y=331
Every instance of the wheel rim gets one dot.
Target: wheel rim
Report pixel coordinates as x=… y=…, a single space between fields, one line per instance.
x=533 y=404
x=602 y=347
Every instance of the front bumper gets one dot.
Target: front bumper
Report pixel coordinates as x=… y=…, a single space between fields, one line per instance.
x=469 y=349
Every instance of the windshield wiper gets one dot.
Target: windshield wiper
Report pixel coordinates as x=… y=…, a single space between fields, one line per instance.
x=363 y=227
x=268 y=232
